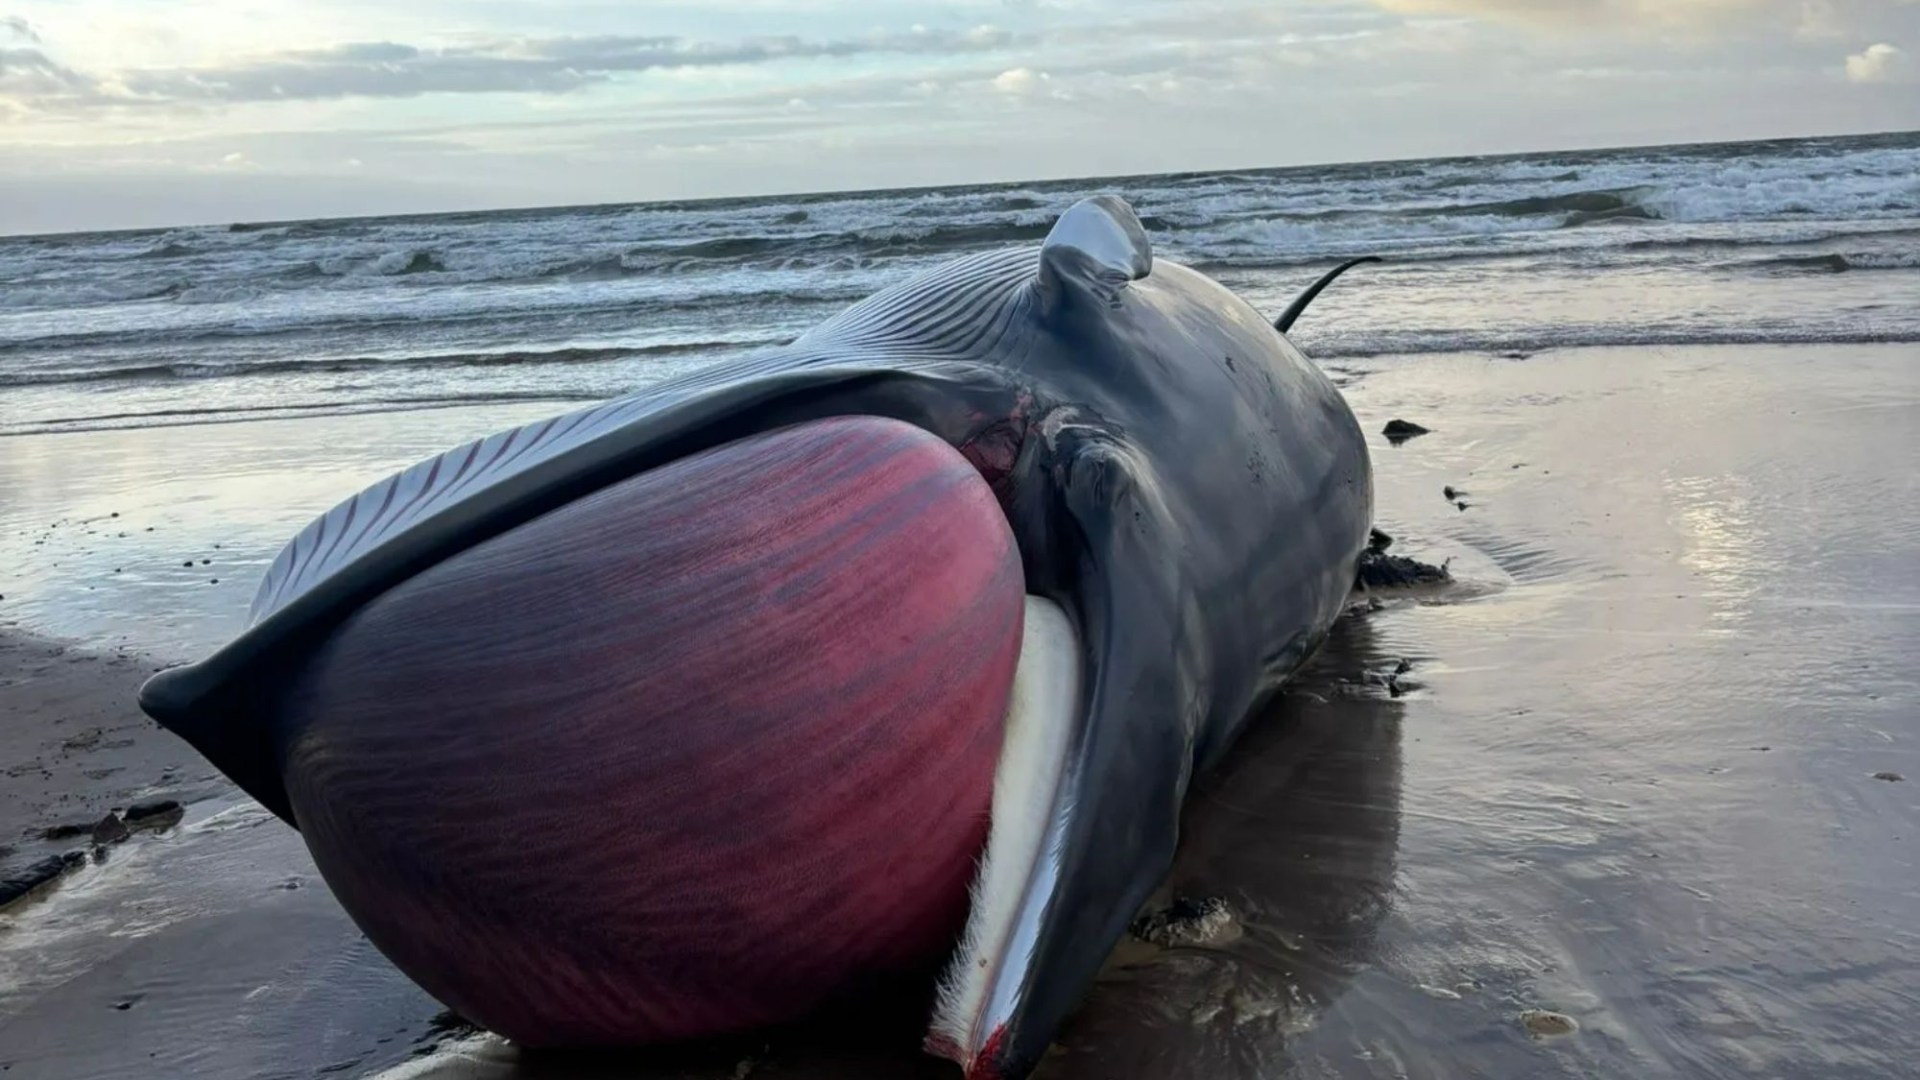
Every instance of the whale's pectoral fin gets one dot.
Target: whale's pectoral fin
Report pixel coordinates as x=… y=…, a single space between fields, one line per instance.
x=1093 y=251
x=1116 y=775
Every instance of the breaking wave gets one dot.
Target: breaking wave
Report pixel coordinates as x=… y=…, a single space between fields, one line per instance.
x=336 y=365
x=1515 y=253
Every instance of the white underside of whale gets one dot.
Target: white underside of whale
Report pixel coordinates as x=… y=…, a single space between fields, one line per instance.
x=1021 y=863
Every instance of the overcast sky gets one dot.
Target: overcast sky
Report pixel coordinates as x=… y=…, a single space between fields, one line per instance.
x=121 y=113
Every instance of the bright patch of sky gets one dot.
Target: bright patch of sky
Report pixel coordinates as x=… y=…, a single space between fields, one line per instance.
x=119 y=113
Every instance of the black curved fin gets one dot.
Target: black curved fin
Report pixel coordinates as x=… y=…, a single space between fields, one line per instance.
x=1292 y=315
x=1092 y=252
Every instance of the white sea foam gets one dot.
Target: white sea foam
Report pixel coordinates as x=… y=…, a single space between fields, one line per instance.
x=1501 y=232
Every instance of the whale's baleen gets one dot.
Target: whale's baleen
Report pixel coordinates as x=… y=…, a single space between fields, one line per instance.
x=687 y=711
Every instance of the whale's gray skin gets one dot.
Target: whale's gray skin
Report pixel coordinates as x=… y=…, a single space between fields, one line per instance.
x=1181 y=480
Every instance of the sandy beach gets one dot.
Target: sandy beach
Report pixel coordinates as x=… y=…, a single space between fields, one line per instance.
x=1638 y=794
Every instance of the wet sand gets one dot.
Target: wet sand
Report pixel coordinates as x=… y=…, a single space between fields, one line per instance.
x=1645 y=799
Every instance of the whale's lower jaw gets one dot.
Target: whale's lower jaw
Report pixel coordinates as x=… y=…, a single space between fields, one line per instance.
x=1021 y=857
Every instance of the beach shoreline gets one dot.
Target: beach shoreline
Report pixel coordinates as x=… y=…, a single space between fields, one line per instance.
x=76 y=750
x=1631 y=769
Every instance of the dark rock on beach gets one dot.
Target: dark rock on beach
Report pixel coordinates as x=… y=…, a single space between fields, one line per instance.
x=1379 y=570
x=148 y=814
x=17 y=886
x=1187 y=921
x=110 y=830
x=1399 y=431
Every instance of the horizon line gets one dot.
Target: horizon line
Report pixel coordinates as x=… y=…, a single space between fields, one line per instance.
x=825 y=193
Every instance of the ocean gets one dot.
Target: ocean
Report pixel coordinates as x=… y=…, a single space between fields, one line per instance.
x=1787 y=241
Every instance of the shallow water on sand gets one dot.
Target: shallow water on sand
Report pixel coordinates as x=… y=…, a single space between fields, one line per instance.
x=209 y=950
x=1629 y=777
x=1637 y=783
x=157 y=540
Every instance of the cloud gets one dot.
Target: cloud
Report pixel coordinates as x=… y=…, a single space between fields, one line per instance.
x=1819 y=21
x=385 y=69
x=30 y=73
x=18 y=27
x=1877 y=63
x=613 y=102
x=1617 y=14
x=1019 y=80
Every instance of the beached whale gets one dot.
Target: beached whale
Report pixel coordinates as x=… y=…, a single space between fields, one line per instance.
x=892 y=649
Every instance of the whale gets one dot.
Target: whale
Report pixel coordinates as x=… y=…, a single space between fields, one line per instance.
x=893 y=650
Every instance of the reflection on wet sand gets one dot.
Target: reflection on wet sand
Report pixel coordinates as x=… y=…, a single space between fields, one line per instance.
x=1297 y=832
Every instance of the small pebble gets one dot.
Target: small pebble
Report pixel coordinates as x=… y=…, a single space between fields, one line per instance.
x=1891 y=777
x=1542 y=1024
